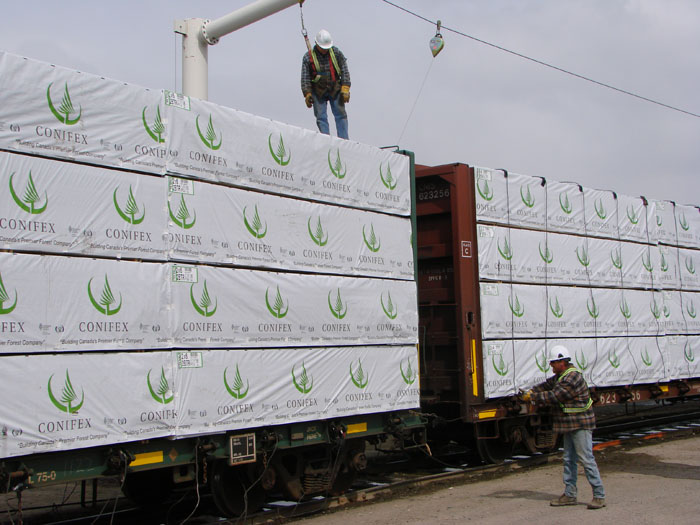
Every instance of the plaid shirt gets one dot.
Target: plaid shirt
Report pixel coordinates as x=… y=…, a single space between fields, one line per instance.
x=571 y=392
x=324 y=62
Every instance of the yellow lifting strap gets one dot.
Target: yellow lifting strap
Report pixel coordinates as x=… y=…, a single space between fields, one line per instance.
x=574 y=410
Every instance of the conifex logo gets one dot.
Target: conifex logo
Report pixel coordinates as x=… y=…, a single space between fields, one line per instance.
x=4 y=297
x=546 y=255
x=485 y=191
x=338 y=169
x=389 y=308
x=183 y=215
x=337 y=308
x=541 y=361
x=65 y=403
x=646 y=359
x=280 y=152
x=564 y=203
x=30 y=201
x=358 y=376
x=527 y=198
x=205 y=303
x=276 y=309
x=210 y=138
x=303 y=383
x=501 y=367
x=255 y=226
x=105 y=303
x=632 y=215
x=407 y=373
x=318 y=235
x=155 y=130
x=373 y=243
x=235 y=389
x=581 y=361
x=388 y=180
x=65 y=109
x=131 y=209
x=163 y=393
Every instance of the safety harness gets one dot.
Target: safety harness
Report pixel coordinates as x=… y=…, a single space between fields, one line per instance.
x=575 y=410
x=332 y=62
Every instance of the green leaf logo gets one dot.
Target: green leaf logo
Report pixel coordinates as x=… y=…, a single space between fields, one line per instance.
x=517 y=309
x=4 y=297
x=130 y=210
x=659 y=221
x=506 y=252
x=204 y=302
x=667 y=312
x=583 y=256
x=373 y=243
x=317 y=235
x=683 y=222
x=156 y=130
x=65 y=109
x=690 y=308
x=592 y=308
x=501 y=367
x=616 y=258
x=210 y=137
x=600 y=209
x=337 y=169
x=183 y=213
x=106 y=299
x=581 y=360
x=547 y=256
x=409 y=375
x=358 y=377
x=527 y=198
x=338 y=309
x=655 y=310
x=389 y=309
x=542 y=363
x=28 y=202
x=613 y=359
x=303 y=384
x=235 y=390
x=161 y=394
x=664 y=264
x=280 y=152
x=690 y=265
x=556 y=308
x=68 y=396
x=644 y=354
x=276 y=308
x=565 y=204
x=389 y=181
x=632 y=215
x=688 y=352
x=255 y=226
x=484 y=189
x=625 y=309
x=646 y=262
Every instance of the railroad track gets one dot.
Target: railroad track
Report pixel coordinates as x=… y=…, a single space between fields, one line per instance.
x=390 y=479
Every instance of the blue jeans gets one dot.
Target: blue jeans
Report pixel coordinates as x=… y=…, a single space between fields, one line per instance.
x=338 y=109
x=578 y=445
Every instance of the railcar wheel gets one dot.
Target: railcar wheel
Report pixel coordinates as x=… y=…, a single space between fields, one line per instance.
x=233 y=491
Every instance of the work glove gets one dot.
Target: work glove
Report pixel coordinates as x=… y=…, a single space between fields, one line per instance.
x=309 y=100
x=526 y=396
x=345 y=93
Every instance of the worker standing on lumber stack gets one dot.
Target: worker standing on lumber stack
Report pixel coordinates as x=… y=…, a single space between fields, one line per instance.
x=575 y=420
x=325 y=78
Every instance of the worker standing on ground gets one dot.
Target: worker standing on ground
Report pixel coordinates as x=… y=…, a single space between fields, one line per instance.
x=573 y=417
x=325 y=78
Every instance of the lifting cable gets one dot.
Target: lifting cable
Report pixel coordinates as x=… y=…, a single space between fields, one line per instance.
x=436 y=45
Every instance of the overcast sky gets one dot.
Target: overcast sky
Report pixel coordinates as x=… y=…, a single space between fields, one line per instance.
x=479 y=105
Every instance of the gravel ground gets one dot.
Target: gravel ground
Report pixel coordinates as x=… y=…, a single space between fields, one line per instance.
x=649 y=485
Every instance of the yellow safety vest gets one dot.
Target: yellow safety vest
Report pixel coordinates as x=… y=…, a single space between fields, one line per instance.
x=575 y=410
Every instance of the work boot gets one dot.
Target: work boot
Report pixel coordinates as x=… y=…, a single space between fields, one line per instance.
x=597 y=503
x=563 y=500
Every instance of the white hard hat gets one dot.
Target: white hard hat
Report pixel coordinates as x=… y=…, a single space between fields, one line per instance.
x=324 y=40
x=559 y=353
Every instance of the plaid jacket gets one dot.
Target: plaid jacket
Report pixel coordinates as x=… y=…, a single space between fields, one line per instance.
x=569 y=392
x=324 y=62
